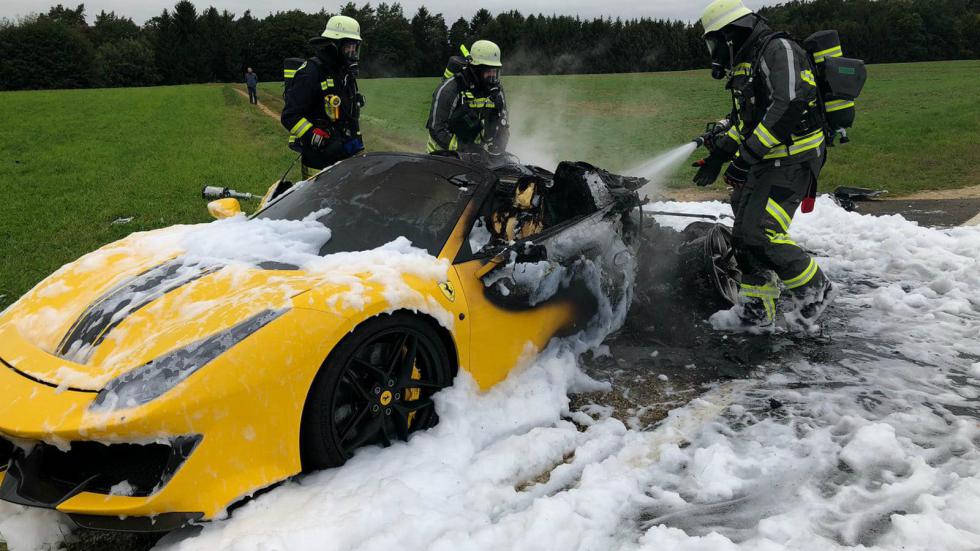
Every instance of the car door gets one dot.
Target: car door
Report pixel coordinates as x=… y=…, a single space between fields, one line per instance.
x=539 y=288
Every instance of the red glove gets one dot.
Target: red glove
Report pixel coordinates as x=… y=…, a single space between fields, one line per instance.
x=319 y=138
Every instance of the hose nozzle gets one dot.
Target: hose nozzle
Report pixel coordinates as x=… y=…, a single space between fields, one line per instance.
x=712 y=131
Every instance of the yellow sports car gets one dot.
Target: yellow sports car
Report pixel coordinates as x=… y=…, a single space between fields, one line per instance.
x=159 y=379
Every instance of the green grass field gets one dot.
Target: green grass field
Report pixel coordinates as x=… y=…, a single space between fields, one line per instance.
x=72 y=162
x=75 y=161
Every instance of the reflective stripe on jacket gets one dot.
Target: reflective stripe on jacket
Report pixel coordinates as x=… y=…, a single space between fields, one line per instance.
x=777 y=106
x=306 y=102
x=783 y=132
x=450 y=106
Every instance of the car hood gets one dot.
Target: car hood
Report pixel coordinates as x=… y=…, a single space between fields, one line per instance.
x=123 y=305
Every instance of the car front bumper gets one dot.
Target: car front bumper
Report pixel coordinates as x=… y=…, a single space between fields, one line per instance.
x=234 y=423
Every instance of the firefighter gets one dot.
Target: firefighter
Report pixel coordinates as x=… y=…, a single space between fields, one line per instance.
x=776 y=148
x=322 y=104
x=469 y=112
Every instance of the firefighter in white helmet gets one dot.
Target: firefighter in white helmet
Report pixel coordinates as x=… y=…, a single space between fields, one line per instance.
x=322 y=104
x=776 y=148
x=469 y=112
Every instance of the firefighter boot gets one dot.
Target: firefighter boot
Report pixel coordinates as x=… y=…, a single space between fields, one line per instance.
x=808 y=303
x=754 y=313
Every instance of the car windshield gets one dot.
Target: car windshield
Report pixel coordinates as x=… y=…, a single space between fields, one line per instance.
x=375 y=199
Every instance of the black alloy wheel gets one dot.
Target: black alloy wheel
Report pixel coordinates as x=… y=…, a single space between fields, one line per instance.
x=707 y=263
x=725 y=273
x=376 y=387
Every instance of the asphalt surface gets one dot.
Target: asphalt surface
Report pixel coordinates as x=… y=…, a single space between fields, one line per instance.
x=667 y=354
x=942 y=213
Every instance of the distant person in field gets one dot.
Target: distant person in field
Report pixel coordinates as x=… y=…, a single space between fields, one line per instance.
x=776 y=149
x=323 y=106
x=468 y=111
x=251 y=82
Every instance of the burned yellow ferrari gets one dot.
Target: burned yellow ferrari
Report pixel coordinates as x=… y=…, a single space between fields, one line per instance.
x=167 y=376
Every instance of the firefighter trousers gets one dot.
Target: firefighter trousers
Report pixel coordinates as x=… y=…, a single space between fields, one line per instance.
x=764 y=209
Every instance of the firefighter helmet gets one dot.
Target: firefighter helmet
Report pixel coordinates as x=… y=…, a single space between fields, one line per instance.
x=722 y=12
x=341 y=27
x=484 y=52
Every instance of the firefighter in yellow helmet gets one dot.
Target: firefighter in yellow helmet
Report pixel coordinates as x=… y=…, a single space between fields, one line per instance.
x=468 y=111
x=776 y=148
x=322 y=104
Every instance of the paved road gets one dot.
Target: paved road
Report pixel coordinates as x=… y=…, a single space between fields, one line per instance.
x=667 y=355
x=931 y=212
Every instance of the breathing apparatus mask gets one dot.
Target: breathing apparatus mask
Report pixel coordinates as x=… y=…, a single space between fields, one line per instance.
x=489 y=76
x=725 y=43
x=345 y=51
x=483 y=77
x=722 y=54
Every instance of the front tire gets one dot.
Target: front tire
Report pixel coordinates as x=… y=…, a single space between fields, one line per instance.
x=375 y=387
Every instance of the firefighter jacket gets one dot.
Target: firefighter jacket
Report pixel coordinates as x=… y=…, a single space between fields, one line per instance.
x=461 y=116
x=323 y=95
x=776 y=113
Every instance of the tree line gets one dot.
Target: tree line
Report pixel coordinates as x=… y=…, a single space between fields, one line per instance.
x=60 y=49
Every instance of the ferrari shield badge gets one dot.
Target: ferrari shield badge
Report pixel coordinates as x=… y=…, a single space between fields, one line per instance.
x=448 y=290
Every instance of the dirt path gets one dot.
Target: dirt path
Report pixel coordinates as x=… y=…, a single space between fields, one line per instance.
x=972 y=192
x=386 y=143
x=260 y=105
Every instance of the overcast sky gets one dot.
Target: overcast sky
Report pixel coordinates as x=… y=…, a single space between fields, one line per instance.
x=140 y=11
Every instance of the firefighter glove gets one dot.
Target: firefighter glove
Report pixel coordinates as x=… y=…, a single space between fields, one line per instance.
x=737 y=173
x=319 y=138
x=708 y=169
x=472 y=121
x=352 y=147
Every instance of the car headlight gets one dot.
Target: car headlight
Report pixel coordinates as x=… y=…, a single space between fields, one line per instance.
x=151 y=380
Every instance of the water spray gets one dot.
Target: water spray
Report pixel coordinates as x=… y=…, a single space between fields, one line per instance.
x=658 y=169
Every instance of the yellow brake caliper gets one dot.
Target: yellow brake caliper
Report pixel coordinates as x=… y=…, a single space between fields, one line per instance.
x=413 y=394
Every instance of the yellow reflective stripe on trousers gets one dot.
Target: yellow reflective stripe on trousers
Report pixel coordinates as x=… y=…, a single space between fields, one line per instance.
x=803 y=278
x=800 y=145
x=767 y=293
x=761 y=290
x=777 y=212
x=777 y=238
x=765 y=136
x=742 y=69
x=829 y=52
x=838 y=105
x=288 y=73
x=301 y=127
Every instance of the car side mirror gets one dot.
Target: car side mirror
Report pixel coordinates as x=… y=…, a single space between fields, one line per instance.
x=220 y=209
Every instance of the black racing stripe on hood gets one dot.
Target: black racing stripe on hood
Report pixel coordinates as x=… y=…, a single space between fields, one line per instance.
x=109 y=310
